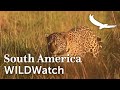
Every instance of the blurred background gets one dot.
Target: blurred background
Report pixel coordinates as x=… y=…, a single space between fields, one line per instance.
x=23 y=32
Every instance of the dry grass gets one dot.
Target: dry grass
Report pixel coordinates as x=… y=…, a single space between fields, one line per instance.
x=25 y=32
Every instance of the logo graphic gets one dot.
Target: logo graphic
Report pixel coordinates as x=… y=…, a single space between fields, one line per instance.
x=100 y=25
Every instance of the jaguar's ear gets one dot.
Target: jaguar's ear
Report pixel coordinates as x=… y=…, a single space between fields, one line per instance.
x=47 y=38
x=46 y=35
x=98 y=39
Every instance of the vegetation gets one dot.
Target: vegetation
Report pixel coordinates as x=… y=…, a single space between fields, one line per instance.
x=23 y=32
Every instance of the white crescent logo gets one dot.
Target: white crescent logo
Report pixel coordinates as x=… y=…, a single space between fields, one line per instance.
x=100 y=25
